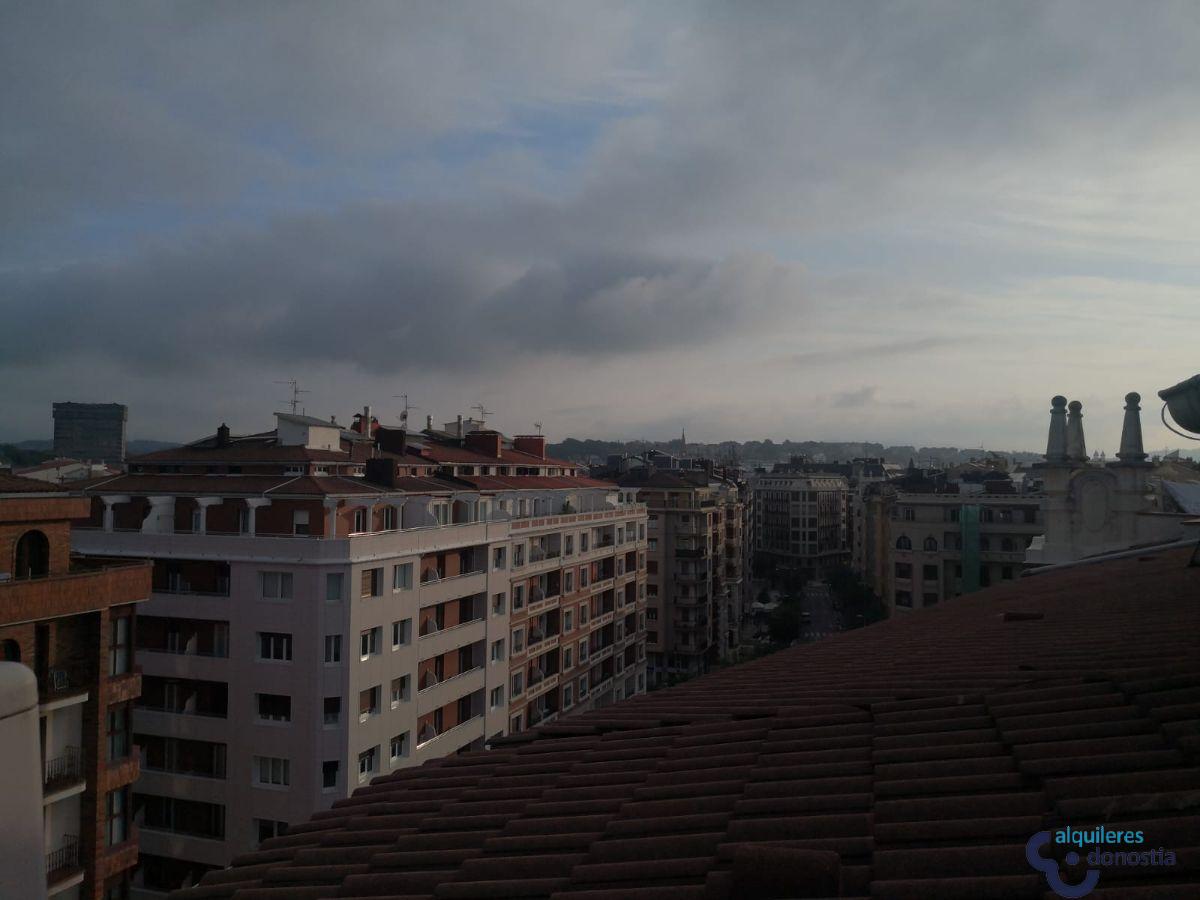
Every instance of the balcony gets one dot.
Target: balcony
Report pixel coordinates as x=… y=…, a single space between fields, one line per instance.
x=440 y=693
x=437 y=641
x=439 y=589
x=63 y=864
x=446 y=742
x=63 y=772
x=65 y=595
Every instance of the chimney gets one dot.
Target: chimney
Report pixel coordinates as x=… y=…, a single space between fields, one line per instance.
x=485 y=442
x=533 y=444
x=458 y=432
x=1131 y=432
x=1056 y=441
x=429 y=422
x=1076 y=447
x=223 y=435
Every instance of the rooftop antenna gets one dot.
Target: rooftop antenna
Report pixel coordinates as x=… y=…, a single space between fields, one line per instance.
x=538 y=426
x=484 y=412
x=403 y=417
x=296 y=392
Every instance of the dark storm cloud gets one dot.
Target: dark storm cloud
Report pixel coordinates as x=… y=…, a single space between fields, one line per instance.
x=388 y=290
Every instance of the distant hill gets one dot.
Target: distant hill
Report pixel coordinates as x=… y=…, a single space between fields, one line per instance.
x=768 y=451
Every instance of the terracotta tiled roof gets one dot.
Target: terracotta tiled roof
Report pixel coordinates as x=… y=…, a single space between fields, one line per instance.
x=532 y=482
x=911 y=760
x=508 y=456
x=240 y=451
x=15 y=484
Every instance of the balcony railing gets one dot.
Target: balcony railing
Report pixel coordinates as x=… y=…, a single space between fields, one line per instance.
x=63 y=769
x=64 y=858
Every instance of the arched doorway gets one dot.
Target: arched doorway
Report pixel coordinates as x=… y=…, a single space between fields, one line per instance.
x=33 y=556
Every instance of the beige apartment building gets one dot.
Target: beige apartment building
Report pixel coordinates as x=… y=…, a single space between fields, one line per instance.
x=801 y=524
x=330 y=604
x=697 y=582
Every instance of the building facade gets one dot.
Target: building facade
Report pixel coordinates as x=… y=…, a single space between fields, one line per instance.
x=71 y=620
x=92 y=432
x=331 y=604
x=801 y=524
x=697 y=580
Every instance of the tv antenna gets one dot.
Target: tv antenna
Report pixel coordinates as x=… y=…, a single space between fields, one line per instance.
x=403 y=417
x=484 y=412
x=296 y=392
x=538 y=426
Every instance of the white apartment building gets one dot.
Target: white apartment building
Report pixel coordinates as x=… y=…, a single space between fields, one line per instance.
x=330 y=606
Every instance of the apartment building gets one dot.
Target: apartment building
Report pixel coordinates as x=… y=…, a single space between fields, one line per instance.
x=70 y=619
x=331 y=604
x=801 y=524
x=938 y=539
x=92 y=432
x=697 y=581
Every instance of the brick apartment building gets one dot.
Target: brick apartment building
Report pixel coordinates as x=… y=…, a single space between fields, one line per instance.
x=697 y=581
x=330 y=604
x=71 y=620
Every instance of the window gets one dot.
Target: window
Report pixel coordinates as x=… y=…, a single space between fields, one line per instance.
x=197 y=520
x=498 y=605
x=276 y=585
x=583 y=654
x=369 y=642
x=904 y=598
x=985 y=544
x=929 y=599
x=515 y=725
x=372 y=583
x=1006 y=545
x=360 y=520
x=903 y=543
x=952 y=514
x=402 y=577
x=329 y=774
x=389 y=518
x=583 y=686
x=930 y=544
x=498 y=650
x=401 y=633
x=583 y=542
x=116 y=814
x=518 y=684
x=400 y=745
x=929 y=573
x=119 y=657
x=567 y=661
x=498 y=558
x=368 y=702
x=333 y=648
x=269 y=828
x=271 y=770
x=567 y=699
x=652 y=544
x=583 y=578
x=569 y=545
x=273 y=645
x=518 y=597
x=568 y=622
x=652 y=613
x=401 y=690
x=568 y=582
x=368 y=763
x=118 y=732
x=1006 y=573
x=518 y=555
x=583 y=614
x=332 y=710
x=274 y=707
x=335 y=588
x=641 y=532
x=300 y=521
x=518 y=640
x=243 y=521
x=909 y=514
x=497 y=697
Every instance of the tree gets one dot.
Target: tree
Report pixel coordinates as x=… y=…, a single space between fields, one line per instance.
x=784 y=623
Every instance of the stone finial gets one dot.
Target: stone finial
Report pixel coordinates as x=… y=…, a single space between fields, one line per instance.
x=1131 y=432
x=1076 y=447
x=1056 y=441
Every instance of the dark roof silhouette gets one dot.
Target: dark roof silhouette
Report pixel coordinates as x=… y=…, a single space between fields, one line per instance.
x=910 y=760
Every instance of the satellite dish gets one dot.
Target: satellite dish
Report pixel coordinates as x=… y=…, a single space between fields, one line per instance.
x=1183 y=400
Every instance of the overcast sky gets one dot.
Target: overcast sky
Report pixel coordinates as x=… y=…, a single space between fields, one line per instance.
x=906 y=222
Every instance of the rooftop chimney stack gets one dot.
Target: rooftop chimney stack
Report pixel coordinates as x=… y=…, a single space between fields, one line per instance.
x=1076 y=447
x=460 y=432
x=429 y=422
x=1131 y=432
x=223 y=435
x=1056 y=441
